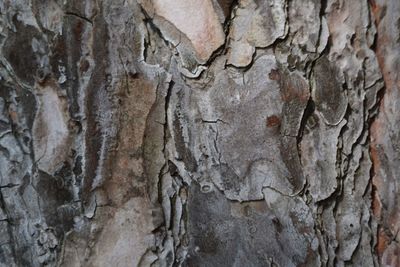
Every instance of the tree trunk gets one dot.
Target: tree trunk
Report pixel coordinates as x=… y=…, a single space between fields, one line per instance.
x=199 y=133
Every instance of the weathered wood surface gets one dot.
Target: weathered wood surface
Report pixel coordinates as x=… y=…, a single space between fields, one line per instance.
x=199 y=133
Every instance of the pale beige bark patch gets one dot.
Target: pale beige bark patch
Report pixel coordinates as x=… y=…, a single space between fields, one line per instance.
x=50 y=130
x=197 y=20
x=126 y=236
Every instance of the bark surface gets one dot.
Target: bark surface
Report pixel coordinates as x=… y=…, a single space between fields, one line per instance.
x=199 y=133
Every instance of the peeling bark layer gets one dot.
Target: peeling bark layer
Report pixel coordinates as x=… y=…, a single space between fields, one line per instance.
x=199 y=133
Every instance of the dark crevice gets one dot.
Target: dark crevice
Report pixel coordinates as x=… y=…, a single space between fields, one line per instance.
x=70 y=13
x=213 y=121
x=309 y=110
x=10 y=185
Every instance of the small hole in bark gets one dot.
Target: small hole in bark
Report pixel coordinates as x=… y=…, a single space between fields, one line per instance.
x=206 y=188
x=41 y=75
x=60 y=182
x=252 y=229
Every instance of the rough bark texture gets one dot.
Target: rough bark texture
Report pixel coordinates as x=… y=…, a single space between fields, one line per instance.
x=199 y=133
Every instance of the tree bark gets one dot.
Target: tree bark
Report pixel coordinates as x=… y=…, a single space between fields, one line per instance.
x=199 y=133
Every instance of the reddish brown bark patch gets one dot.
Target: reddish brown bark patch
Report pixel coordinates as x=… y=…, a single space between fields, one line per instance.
x=273 y=121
